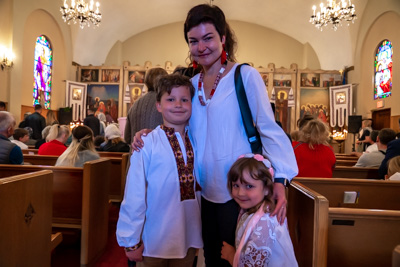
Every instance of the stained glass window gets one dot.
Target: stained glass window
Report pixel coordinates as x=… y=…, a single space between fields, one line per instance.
x=42 y=72
x=383 y=70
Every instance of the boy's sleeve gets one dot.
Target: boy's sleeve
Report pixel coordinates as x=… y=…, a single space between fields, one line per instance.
x=133 y=208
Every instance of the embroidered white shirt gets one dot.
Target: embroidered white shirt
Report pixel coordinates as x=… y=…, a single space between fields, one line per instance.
x=152 y=210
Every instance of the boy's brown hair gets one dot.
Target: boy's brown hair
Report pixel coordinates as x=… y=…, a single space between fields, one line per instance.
x=166 y=83
x=20 y=133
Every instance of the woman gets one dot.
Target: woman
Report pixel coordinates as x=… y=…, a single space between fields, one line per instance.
x=217 y=127
x=56 y=139
x=314 y=156
x=102 y=118
x=363 y=134
x=81 y=148
x=114 y=142
x=51 y=118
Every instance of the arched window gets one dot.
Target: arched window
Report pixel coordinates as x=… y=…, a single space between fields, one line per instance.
x=383 y=70
x=42 y=72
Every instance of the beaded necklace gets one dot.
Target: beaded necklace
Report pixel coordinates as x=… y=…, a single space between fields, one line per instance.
x=203 y=102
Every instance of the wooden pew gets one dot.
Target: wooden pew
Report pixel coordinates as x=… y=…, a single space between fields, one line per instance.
x=25 y=219
x=80 y=201
x=355 y=172
x=101 y=153
x=118 y=171
x=362 y=233
x=308 y=225
x=346 y=162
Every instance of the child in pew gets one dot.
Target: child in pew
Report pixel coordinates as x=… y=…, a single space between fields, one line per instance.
x=160 y=220
x=21 y=137
x=260 y=239
x=81 y=148
x=393 y=169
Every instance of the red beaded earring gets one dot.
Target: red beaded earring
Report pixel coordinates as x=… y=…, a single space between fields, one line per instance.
x=224 y=54
x=194 y=64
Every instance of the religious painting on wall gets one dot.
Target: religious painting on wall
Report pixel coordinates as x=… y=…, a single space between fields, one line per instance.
x=264 y=76
x=283 y=80
x=103 y=98
x=315 y=102
x=383 y=70
x=42 y=72
x=89 y=75
x=133 y=92
x=310 y=80
x=329 y=80
x=136 y=76
x=110 y=76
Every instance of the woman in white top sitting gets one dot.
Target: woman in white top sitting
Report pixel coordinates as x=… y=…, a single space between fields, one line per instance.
x=81 y=149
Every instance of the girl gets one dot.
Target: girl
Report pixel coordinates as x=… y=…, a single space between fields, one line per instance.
x=260 y=239
x=393 y=169
x=81 y=148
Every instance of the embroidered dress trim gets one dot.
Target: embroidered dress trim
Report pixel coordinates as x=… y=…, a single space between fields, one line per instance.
x=185 y=171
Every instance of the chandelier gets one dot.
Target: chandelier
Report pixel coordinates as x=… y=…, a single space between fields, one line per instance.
x=81 y=12
x=335 y=12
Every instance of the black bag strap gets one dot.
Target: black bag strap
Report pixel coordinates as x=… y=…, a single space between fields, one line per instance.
x=251 y=131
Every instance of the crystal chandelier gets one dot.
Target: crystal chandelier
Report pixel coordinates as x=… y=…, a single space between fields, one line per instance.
x=81 y=12
x=335 y=12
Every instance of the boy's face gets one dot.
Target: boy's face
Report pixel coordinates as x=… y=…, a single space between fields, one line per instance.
x=24 y=139
x=176 y=107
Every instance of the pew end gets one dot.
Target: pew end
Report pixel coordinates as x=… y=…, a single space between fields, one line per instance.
x=308 y=225
x=26 y=211
x=396 y=256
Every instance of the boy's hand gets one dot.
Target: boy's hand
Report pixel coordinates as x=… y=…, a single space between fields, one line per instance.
x=135 y=255
x=227 y=252
x=137 y=143
x=280 y=208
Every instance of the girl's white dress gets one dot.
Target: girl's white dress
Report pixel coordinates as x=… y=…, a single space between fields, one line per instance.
x=268 y=245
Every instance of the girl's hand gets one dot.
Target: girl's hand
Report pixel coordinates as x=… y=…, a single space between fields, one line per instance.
x=137 y=143
x=135 y=255
x=280 y=208
x=227 y=252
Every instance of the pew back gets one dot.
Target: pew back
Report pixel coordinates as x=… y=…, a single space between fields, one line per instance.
x=308 y=225
x=25 y=224
x=373 y=194
x=80 y=201
x=355 y=172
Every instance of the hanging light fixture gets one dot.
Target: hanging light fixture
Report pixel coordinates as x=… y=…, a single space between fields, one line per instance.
x=334 y=13
x=81 y=12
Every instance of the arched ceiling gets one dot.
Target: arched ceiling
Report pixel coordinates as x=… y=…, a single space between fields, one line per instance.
x=125 y=18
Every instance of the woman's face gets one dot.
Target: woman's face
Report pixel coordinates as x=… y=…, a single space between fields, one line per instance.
x=205 y=44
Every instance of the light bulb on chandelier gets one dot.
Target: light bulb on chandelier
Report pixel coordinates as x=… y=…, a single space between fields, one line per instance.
x=81 y=12
x=335 y=13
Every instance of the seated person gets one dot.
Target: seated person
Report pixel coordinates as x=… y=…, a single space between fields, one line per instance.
x=314 y=156
x=393 y=169
x=45 y=132
x=393 y=150
x=81 y=148
x=375 y=158
x=114 y=142
x=363 y=133
x=21 y=136
x=98 y=140
x=56 y=139
x=9 y=153
x=371 y=139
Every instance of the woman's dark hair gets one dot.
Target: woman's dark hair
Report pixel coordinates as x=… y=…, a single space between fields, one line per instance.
x=206 y=13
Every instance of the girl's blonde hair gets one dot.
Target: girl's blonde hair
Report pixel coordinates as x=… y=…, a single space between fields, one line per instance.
x=82 y=139
x=393 y=166
x=56 y=131
x=315 y=132
x=257 y=171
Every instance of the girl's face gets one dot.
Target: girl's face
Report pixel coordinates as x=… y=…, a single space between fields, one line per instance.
x=250 y=193
x=205 y=44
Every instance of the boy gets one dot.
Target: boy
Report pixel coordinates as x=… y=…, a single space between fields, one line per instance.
x=159 y=222
x=21 y=136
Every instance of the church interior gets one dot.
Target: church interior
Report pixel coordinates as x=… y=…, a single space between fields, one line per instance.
x=301 y=65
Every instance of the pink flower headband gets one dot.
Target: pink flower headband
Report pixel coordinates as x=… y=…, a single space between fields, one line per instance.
x=261 y=158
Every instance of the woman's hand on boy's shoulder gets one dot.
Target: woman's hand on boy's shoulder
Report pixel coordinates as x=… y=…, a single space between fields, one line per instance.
x=137 y=143
x=227 y=252
x=280 y=207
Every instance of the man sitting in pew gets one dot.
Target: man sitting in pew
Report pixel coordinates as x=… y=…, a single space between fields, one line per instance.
x=375 y=158
x=10 y=153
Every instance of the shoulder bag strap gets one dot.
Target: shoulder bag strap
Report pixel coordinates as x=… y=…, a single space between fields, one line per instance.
x=251 y=131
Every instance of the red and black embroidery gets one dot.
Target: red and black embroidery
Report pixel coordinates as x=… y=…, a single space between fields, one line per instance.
x=185 y=171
